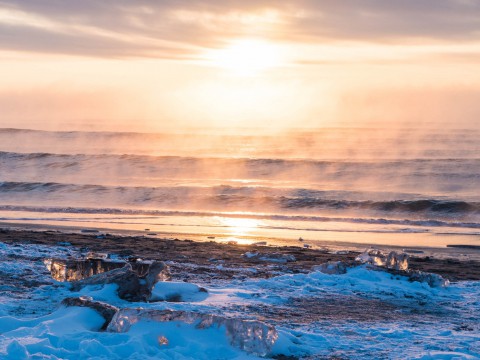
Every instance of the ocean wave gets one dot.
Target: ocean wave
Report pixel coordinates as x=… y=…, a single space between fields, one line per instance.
x=5 y=155
x=310 y=182
x=251 y=167
x=322 y=143
x=424 y=205
x=240 y=198
x=262 y=216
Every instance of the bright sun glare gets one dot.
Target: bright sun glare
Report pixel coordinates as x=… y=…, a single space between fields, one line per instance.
x=240 y=227
x=246 y=57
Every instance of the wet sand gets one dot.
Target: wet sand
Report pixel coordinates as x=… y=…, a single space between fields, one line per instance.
x=209 y=261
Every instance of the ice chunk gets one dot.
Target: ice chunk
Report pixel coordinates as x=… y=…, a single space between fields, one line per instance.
x=372 y=257
x=397 y=261
x=394 y=260
x=332 y=268
x=133 y=284
x=107 y=311
x=78 y=269
x=434 y=280
x=254 y=337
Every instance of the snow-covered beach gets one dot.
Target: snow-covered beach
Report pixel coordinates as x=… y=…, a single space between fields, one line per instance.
x=362 y=313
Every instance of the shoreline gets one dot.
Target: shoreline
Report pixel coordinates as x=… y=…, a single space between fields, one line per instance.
x=453 y=249
x=210 y=260
x=328 y=233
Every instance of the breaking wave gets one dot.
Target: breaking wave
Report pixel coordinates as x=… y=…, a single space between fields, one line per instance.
x=265 y=216
x=228 y=197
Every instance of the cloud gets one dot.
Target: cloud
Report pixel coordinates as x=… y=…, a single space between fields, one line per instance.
x=48 y=41
x=377 y=20
x=172 y=28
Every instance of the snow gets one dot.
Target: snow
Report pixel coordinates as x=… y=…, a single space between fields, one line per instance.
x=271 y=257
x=375 y=315
x=181 y=291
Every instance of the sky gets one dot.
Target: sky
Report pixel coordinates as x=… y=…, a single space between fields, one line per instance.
x=154 y=65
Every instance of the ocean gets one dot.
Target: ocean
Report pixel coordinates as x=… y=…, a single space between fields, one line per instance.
x=405 y=186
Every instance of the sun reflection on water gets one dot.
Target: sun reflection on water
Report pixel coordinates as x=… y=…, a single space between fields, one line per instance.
x=238 y=228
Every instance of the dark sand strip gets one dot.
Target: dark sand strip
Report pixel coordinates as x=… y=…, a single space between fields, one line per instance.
x=205 y=254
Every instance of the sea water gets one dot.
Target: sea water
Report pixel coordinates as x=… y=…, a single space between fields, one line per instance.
x=369 y=185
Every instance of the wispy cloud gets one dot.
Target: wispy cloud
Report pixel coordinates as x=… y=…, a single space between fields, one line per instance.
x=169 y=28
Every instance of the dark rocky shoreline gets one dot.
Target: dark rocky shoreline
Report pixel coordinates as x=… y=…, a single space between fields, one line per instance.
x=213 y=260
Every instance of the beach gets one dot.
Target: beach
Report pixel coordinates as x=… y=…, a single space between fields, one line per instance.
x=207 y=255
x=305 y=245
x=314 y=315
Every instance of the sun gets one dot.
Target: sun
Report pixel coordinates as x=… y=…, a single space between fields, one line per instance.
x=246 y=57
